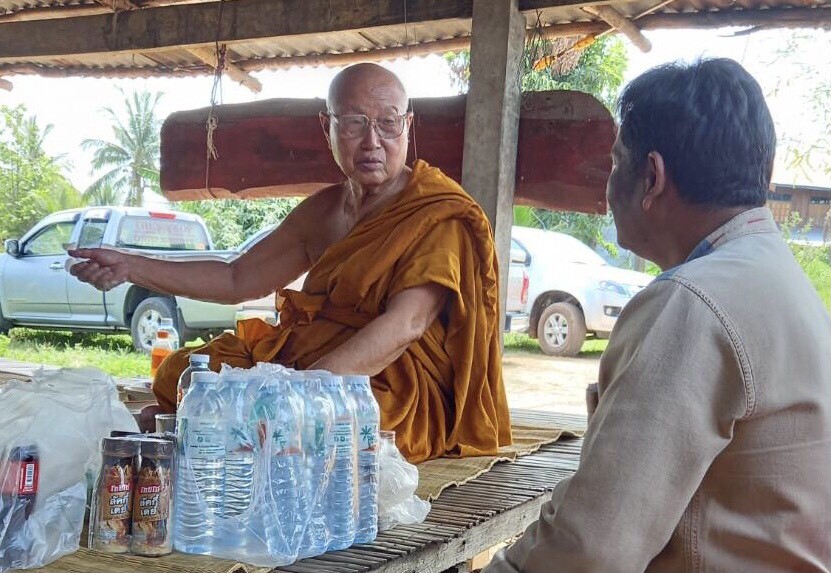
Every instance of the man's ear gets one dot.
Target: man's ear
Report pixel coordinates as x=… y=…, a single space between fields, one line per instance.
x=656 y=180
x=324 y=123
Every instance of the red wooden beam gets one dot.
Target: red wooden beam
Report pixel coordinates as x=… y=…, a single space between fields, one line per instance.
x=275 y=148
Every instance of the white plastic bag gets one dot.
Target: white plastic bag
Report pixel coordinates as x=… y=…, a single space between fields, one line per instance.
x=397 y=482
x=61 y=416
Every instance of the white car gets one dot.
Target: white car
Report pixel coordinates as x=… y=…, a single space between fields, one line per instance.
x=573 y=290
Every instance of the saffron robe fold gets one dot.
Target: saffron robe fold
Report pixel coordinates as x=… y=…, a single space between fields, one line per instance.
x=444 y=396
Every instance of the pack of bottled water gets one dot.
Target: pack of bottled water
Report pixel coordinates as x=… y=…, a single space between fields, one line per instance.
x=275 y=465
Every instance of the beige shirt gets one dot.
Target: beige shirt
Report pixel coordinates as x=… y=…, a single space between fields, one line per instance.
x=710 y=449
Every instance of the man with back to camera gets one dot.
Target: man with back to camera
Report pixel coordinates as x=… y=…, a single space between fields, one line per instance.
x=710 y=449
x=402 y=283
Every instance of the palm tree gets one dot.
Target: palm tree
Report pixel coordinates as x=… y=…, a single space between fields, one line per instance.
x=131 y=162
x=103 y=195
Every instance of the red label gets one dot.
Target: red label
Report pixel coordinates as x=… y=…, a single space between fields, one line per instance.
x=21 y=478
x=149 y=489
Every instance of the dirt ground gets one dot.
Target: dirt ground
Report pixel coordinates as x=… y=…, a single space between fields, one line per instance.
x=539 y=382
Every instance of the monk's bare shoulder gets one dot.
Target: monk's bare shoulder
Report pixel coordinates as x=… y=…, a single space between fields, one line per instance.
x=319 y=220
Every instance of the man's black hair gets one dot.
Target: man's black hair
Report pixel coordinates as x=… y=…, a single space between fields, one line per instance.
x=710 y=123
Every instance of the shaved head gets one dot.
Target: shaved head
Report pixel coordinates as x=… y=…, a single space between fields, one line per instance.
x=370 y=77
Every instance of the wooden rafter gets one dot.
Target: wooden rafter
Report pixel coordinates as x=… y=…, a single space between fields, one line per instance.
x=118 y=5
x=208 y=56
x=622 y=24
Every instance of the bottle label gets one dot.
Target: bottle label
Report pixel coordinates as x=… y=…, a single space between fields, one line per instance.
x=283 y=440
x=343 y=438
x=20 y=478
x=368 y=437
x=204 y=440
x=152 y=501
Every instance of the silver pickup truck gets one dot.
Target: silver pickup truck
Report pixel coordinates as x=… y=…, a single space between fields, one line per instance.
x=36 y=291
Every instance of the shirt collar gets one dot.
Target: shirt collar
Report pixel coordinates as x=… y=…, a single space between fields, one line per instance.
x=757 y=220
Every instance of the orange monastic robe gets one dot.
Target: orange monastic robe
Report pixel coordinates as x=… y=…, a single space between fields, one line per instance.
x=444 y=396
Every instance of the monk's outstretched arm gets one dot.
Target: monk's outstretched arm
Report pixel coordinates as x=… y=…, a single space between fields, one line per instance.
x=409 y=314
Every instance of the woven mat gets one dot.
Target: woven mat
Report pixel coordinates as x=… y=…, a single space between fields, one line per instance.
x=86 y=561
x=531 y=431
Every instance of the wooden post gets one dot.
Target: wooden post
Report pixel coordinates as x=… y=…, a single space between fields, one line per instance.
x=492 y=119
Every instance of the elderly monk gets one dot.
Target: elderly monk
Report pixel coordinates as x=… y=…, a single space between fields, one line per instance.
x=402 y=283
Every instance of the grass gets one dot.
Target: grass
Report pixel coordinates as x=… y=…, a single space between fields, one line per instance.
x=818 y=269
x=593 y=347
x=112 y=353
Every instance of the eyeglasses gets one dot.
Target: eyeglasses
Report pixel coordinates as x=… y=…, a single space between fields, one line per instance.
x=354 y=126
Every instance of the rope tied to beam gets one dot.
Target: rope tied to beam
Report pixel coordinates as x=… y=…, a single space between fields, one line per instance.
x=211 y=124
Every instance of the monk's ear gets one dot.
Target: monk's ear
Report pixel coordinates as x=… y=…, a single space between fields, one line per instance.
x=324 y=123
x=655 y=183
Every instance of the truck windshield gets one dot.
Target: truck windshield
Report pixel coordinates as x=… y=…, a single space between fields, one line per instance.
x=164 y=234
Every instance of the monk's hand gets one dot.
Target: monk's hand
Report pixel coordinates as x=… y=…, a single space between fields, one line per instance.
x=104 y=269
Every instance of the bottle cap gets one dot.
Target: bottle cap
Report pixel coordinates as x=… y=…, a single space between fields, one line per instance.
x=120 y=446
x=199 y=359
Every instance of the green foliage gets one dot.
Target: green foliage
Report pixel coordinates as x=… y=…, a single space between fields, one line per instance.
x=814 y=260
x=130 y=162
x=32 y=183
x=231 y=221
x=599 y=70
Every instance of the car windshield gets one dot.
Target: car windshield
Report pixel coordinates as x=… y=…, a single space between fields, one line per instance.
x=558 y=246
x=164 y=234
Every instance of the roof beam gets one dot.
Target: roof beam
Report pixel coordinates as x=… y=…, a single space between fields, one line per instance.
x=195 y=24
x=118 y=5
x=208 y=56
x=622 y=24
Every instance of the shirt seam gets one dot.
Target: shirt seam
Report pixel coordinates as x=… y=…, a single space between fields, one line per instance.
x=733 y=336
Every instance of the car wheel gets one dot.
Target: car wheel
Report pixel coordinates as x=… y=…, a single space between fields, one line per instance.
x=561 y=330
x=147 y=318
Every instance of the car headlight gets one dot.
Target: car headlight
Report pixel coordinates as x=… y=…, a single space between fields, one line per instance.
x=613 y=286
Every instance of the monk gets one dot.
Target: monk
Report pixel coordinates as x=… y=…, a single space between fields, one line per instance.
x=402 y=283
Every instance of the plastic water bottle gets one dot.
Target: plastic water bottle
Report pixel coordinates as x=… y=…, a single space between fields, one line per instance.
x=238 y=392
x=318 y=449
x=341 y=493
x=201 y=467
x=198 y=363
x=277 y=412
x=369 y=418
x=165 y=344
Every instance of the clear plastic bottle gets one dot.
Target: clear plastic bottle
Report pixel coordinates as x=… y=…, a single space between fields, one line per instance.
x=369 y=419
x=165 y=344
x=276 y=410
x=319 y=452
x=341 y=492
x=198 y=363
x=201 y=465
x=238 y=393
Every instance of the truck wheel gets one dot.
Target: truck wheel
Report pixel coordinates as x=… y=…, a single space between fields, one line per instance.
x=147 y=318
x=561 y=330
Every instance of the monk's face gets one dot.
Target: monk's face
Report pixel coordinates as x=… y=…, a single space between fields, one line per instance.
x=374 y=155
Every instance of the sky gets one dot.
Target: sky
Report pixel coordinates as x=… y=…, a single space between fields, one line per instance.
x=73 y=105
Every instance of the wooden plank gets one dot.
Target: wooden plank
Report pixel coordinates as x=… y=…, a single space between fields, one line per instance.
x=275 y=148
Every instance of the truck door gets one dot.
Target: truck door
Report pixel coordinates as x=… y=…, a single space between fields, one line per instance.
x=35 y=281
x=86 y=303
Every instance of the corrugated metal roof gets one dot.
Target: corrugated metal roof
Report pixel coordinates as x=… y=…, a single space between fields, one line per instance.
x=341 y=46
